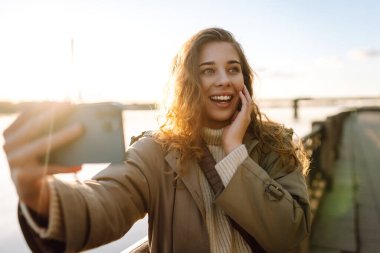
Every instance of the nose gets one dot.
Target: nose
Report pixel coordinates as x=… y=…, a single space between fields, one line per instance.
x=223 y=79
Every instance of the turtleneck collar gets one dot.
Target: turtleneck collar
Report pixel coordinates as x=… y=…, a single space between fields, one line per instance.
x=212 y=136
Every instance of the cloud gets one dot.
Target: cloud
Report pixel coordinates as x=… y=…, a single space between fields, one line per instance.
x=361 y=54
x=266 y=72
x=280 y=75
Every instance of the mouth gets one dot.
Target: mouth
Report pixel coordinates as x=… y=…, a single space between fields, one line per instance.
x=221 y=98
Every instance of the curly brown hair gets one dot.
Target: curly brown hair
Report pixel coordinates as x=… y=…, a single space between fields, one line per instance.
x=184 y=117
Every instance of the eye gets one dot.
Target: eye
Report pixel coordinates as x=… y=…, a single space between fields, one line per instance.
x=234 y=69
x=208 y=71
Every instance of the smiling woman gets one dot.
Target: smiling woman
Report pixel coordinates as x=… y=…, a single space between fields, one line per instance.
x=211 y=122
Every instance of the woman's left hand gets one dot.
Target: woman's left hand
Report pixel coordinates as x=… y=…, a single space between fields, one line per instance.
x=233 y=134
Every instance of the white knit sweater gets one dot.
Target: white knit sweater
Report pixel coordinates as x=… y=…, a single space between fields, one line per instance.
x=223 y=239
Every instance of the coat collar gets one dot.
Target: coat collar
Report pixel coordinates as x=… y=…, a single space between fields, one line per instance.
x=190 y=177
x=250 y=142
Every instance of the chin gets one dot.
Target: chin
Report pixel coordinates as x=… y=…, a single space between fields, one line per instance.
x=219 y=121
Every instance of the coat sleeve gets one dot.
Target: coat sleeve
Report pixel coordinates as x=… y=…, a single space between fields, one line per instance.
x=34 y=241
x=103 y=209
x=274 y=210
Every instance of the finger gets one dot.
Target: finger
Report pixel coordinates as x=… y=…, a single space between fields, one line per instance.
x=57 y=169
x=244 y=101
x=20 y=120
x=249 y=98
x=33 y=127
x=44 y=145
x=246 y=94
x=246 y=91
x=22 y=176
x=26 y=113
x=246 y=108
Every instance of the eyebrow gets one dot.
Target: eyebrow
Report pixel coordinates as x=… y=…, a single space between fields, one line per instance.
x=213 y=63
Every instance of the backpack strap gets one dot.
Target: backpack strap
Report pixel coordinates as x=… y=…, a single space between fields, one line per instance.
x=207 y=164
x=148 y=133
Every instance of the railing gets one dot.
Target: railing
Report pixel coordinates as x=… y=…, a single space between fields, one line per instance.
x=312 y=143
x=322 y=144
x=141 y=246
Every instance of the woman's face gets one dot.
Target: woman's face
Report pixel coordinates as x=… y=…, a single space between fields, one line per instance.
x=221 y=80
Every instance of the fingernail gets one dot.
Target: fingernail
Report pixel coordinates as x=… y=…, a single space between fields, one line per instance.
x=79 y=167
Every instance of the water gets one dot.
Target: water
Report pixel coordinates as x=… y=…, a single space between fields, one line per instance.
x=11 y=239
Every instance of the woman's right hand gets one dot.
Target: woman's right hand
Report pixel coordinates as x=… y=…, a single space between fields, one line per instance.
x=27 y=140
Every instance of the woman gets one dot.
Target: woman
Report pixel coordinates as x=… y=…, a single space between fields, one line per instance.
x=261 y=171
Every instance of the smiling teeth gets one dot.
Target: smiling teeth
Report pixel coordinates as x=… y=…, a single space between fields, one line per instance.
x=221 y=98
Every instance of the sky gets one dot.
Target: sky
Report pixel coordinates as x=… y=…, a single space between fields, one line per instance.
x=92 y=50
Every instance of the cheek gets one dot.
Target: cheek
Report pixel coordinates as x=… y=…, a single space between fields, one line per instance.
x=239 y=85
x=205 y=84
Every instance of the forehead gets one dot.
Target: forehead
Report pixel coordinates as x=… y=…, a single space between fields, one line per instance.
x=218 y=52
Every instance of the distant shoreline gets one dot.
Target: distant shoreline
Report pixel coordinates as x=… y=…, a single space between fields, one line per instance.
x=11 y=107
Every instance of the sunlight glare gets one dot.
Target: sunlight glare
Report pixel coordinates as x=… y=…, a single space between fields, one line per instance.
x=37 y=62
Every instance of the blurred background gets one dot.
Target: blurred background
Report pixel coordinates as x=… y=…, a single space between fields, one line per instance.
x=91 y=51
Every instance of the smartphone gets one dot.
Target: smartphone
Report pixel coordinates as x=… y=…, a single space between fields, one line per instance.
x=102 y=140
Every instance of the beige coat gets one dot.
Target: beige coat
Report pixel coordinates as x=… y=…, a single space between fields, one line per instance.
x=260 y=198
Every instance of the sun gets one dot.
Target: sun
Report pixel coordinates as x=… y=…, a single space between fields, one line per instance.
x=63 y=52
x=36 y=66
